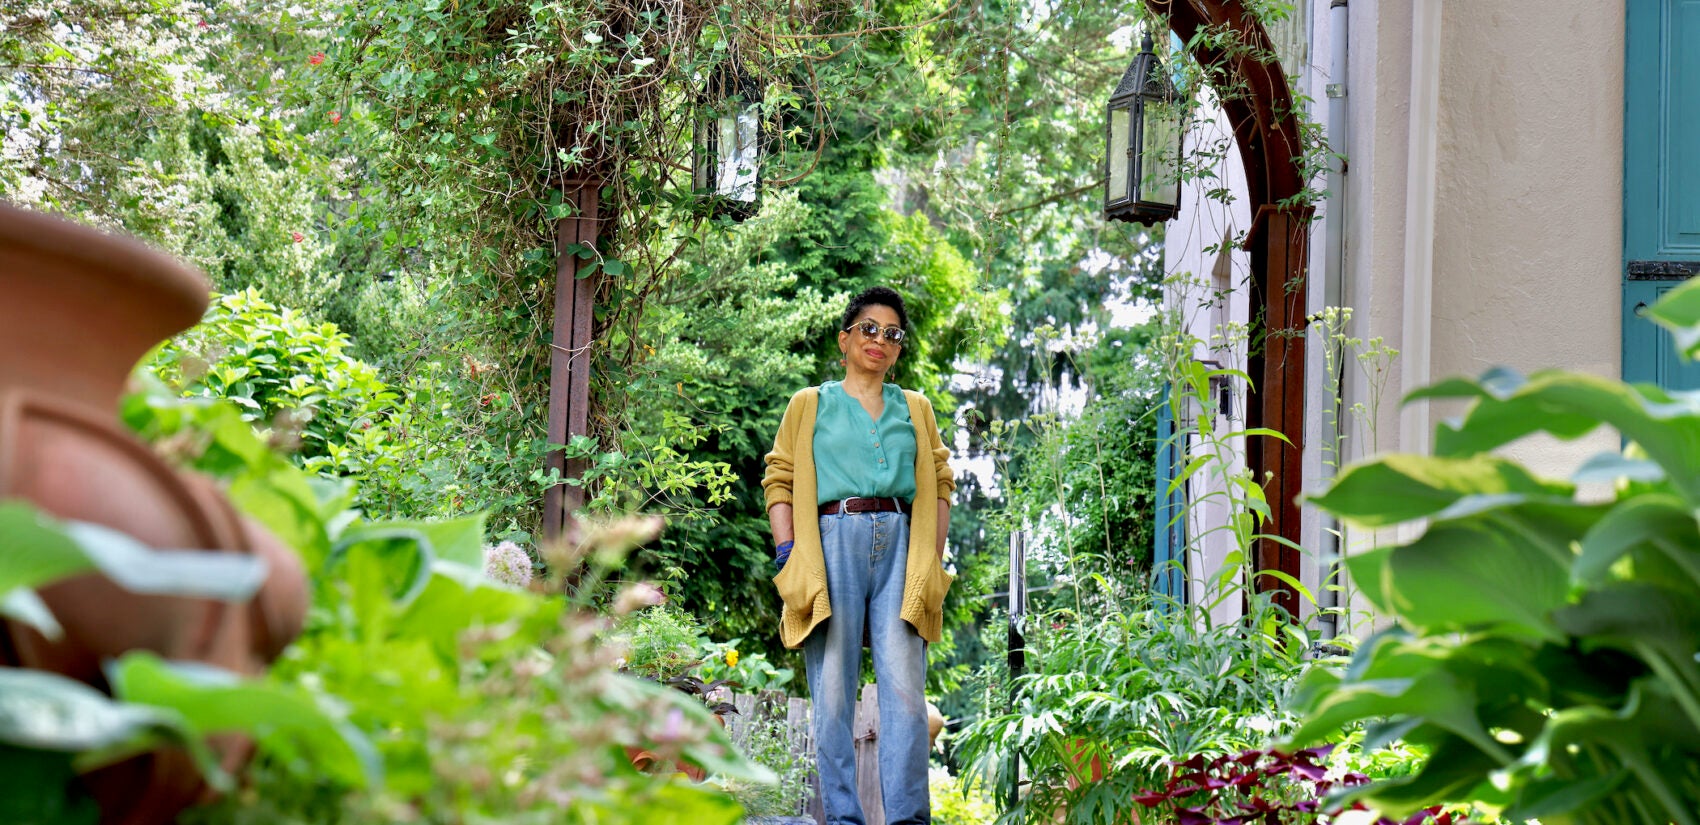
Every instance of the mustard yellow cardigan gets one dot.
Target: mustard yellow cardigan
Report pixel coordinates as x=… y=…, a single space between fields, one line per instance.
x=790 y=479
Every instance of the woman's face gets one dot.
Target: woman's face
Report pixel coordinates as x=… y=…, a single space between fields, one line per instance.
x=874 y=355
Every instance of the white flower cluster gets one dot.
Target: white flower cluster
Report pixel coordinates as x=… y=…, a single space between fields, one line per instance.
x=508 y=563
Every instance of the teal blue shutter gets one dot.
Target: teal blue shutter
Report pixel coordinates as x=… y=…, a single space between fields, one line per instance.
x=1661 y=178
x=1168 y=557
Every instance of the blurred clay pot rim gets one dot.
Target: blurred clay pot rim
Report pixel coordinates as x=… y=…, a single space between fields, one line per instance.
x=145 y=267
x=83 y=306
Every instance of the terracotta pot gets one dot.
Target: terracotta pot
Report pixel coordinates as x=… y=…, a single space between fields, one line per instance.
x=645 y=760
x=80 y=308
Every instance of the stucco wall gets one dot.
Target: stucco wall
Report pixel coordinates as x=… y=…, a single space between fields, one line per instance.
x=1528 y=245
x=1528 y=181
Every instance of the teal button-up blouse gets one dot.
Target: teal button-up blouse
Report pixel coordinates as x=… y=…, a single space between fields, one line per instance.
x=858 y=456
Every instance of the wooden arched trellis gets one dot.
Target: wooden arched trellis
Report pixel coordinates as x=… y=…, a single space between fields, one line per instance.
x=1238 y=57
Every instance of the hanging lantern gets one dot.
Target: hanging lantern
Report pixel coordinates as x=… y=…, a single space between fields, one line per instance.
x=1142 y=161
x=728 y=145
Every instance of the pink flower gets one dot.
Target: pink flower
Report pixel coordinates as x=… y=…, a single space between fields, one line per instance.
x=637 y=597
x=316 y=59
x=335 y=116
x=203 y=24
x=297 y=237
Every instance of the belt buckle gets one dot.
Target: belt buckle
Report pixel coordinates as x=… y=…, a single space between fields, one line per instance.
x=844 y=505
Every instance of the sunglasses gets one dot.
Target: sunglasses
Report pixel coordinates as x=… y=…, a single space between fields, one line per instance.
x=872 y=329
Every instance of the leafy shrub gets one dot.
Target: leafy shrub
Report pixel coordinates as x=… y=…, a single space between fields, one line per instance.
x=661 y=642
x=1545 y=646
x=1129 y=693
x=483 y=702
x=52 y=728
x=746 y=672
x=332 y=414
x=957 y=801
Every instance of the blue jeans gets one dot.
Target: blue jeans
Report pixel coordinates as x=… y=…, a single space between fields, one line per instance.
x=867 y=555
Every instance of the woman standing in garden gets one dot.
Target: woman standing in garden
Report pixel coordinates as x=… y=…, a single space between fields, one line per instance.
x=857 y=487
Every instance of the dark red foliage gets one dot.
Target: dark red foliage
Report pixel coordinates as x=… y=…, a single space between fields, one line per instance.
x=1261 y=786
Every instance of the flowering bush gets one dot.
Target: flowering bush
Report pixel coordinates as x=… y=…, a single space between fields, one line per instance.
x=744 y=671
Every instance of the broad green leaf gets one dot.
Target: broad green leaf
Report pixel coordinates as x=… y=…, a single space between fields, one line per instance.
x=1454 y=770
x=1552 y=796
x=672 y=803
x=1461 y=576
x=40 y=550
x=23 y=605
x=1679 y=312
x=1635 y=616
x=40 y=786
x=36 y=551
x=1637 y=733
x=458 y=598
x=283 y=721
x=1569 y=405
x=46 y=711
x=1396 y=677
x=1397 y=488
x=1368 y=572
x=194 y=573
x=1497 y=382
x=286 y=505
x=458 y=540
x=1635 y=523
x=1609 y=467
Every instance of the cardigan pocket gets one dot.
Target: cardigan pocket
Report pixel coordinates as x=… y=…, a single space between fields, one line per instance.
x=934 y=587
x=797 y=589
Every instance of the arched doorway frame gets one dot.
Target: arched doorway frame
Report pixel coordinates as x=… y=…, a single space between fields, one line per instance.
x=1238 y=58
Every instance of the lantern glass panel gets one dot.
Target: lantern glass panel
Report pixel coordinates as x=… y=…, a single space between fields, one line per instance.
x=743 y=163
x=1160 y=149
x=1120 y=156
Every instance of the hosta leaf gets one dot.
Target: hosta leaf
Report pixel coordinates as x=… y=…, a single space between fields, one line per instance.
x=1635 y=523
x=1632 y=616
x=458 y=540
x=1679 y=312
x=38 y=786
x=1454 y=770
x=23 y=605
x=1459 y=576
x=1398 y=488
x=1570 y=405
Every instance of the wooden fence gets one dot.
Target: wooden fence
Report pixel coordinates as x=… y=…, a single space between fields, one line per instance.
x=800 y=734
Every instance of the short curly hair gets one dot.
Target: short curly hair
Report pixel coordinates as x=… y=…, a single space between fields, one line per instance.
x=881 y=295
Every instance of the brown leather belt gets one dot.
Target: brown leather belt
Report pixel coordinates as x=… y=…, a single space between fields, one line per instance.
x=866 y=505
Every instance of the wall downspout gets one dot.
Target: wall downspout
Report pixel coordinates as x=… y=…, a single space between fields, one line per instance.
x=1419 y=222
x=1334 y=292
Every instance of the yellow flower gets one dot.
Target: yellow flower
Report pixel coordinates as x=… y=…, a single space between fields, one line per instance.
x=731 y=658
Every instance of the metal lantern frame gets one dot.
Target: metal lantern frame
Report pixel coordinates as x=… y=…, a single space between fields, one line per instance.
x=729 y=132
x=1141 y=104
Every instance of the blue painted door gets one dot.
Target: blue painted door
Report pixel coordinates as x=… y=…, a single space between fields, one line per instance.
x=1661 y=178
